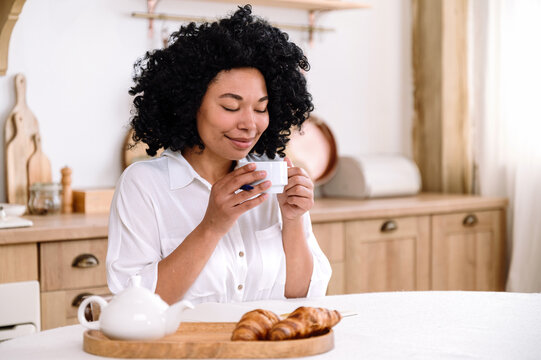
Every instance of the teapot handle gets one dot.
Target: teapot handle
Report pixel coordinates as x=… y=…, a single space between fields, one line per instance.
x=93 y=325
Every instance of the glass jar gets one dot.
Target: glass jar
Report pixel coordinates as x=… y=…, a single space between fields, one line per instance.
x=45 y=198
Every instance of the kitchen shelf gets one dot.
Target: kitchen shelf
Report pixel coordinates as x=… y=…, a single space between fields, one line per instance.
x=311 y=5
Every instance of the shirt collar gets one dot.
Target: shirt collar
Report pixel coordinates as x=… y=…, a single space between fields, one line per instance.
x=181 y=172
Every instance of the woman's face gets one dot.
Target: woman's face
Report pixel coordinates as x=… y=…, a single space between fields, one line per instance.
x=233 y=113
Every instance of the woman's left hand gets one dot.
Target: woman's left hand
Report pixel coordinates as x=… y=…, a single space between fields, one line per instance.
x=298 y=195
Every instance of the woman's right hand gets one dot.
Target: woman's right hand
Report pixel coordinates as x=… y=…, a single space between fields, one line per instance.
x=226 y=203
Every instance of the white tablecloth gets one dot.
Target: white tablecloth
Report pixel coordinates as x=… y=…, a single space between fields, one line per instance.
x=397 y=325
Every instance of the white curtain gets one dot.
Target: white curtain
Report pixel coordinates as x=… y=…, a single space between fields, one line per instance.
x=505 y=75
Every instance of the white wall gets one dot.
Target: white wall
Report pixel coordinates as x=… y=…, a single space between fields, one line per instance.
x=78 y=58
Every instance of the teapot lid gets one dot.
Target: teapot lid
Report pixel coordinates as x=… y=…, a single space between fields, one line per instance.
x=135 y=293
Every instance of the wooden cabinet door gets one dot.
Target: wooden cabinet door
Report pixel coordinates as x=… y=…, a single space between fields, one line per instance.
x=387 y=254
x=18 y=262
x=468 y=250
x=330 y=236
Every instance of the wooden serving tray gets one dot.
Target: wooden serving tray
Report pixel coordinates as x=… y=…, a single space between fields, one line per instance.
x=205 y=341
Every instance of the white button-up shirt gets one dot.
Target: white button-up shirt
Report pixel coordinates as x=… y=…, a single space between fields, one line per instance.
x=159 y=202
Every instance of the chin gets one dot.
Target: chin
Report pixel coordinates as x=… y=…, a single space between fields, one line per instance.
x=239 y=157
x=237 y=154
x=234 y=155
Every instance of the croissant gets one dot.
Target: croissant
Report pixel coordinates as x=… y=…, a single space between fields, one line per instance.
x=254 y=325
x=304 y=322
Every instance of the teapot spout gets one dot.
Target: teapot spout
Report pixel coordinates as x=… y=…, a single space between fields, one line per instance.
x=173 y=315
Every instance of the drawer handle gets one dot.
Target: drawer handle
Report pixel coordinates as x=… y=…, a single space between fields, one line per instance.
x=79 y=299
x=389 y=226
x=470 y=220
x=85 y=261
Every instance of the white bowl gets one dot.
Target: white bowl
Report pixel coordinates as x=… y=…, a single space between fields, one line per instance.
x=13 y=209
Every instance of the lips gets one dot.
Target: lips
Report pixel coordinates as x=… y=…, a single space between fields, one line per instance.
x=241 y=143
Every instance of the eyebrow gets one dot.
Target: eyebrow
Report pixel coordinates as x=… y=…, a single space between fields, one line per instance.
x=238 y=97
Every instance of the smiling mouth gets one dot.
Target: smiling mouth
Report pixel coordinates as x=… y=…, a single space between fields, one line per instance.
x=241 y=143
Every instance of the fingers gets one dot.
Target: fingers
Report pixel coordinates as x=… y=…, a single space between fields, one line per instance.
x=298 y=176
x=292 y=171
x=299 y=190
x=252 y=203
x=289 y=162
x=243 y=169
x=304 y=203
x=256 y=190
x=243 y=175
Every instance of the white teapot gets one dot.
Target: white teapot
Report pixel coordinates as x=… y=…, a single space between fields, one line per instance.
x=134 y=314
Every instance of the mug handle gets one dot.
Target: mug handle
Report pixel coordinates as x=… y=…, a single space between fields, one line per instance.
x=93 y=325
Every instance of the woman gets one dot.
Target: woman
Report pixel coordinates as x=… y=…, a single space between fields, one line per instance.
x=219 y=93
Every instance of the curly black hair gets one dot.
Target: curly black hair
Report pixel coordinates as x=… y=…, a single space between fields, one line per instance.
x=170 y=83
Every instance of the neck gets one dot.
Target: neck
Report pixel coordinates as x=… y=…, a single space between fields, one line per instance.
x=210 y=168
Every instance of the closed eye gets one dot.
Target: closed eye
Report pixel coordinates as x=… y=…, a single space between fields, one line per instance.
x=261 y=111
x=229 y=109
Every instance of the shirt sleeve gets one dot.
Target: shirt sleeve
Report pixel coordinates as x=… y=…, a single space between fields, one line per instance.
x=133 y=244
x=321 y=273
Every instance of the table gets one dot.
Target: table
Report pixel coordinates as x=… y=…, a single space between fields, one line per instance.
x=405 y=325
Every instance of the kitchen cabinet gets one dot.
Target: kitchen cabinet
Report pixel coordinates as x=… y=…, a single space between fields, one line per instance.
x=386 y=257
x=69 y=271
x=330 y=236
x=18 y=262
x=423 y=242
x=66 y=254
x=468 y=251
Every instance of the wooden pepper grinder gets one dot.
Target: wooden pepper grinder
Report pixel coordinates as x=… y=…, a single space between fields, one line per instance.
x=67 y=194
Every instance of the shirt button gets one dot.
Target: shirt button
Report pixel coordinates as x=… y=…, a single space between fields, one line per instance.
x=241 y=253
x=239 y=287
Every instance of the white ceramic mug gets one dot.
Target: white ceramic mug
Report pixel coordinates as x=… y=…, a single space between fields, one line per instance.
x=276 y=173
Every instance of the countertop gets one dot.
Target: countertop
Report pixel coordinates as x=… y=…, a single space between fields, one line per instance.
x=393 y=325
x=87 y=226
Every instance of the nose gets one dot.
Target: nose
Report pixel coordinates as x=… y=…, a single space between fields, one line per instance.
x=247 y=120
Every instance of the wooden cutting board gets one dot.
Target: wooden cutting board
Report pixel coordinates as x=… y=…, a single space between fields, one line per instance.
x=39 y=166
x=16 y=156
x=20 y=127
x=21 y=107
x=205 y=341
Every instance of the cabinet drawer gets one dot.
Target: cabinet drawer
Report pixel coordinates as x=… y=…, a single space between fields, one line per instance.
x=59 y=308
x=76 y=264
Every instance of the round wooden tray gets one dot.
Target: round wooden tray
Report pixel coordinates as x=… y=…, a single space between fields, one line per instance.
x=205 y=341
x=314 y=149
